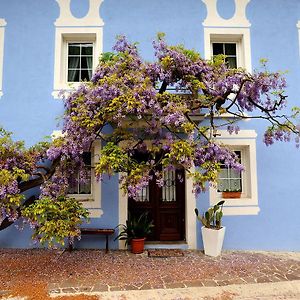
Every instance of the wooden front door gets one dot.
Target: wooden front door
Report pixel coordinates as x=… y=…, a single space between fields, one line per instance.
x=165 y=205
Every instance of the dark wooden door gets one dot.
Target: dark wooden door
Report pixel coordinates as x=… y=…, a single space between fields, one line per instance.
x=165 y=205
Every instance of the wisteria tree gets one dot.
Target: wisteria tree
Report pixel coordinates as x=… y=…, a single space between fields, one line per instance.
x=170 y=110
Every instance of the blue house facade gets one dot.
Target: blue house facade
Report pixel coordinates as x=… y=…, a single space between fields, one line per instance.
x=46 y=45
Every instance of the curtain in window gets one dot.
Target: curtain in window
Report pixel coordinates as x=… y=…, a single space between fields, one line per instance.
x=73 y=68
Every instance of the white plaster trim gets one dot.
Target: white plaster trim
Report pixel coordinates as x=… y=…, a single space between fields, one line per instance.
x=241 y=211
x=63 y=35
x=190 y=219
x=239 y=18
x=240 y=36
x=92 y=18
x=123 y=209
x=95 y=213
x=2 y=31
x=245 y=141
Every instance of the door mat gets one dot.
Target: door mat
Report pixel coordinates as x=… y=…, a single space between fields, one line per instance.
x=165 y=253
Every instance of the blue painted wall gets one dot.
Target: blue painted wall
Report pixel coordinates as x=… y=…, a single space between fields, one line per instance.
x=28 y=109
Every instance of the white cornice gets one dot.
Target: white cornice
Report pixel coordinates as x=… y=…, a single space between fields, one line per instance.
x=66 y=18
x=239 y=19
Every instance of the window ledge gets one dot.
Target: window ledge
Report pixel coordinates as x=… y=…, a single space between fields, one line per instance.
x=95 y=212
x=240 y=210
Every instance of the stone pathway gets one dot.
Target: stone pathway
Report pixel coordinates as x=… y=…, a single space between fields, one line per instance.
x=192 y=270
x=122 y=275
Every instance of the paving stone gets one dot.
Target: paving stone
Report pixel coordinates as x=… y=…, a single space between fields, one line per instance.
x=68 y=290
x=175 y=285
x=292 y=277
x=195 y=283
x=98 y=287
x=209 y=283
x=263 y=279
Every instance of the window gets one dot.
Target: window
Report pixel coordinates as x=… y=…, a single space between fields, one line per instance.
x=79 y=188
x=229 y=179
x=88 y=193
x=227 y=49
x=232 y=42
x=76 y=55
x=80 y=61
x=244 y=144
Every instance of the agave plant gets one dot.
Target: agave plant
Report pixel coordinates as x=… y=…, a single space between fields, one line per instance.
x=135 y=228
x=212 y=217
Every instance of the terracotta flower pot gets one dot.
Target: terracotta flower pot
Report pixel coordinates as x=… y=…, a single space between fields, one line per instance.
x=137 y=245
x=231 y=195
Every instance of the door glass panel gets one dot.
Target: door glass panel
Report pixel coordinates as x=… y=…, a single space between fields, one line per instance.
x=143 y=195
x=169 y=188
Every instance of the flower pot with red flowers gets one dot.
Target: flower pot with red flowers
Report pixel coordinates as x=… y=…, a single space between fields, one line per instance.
x=135 y=231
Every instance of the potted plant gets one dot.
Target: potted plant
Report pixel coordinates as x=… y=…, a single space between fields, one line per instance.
x=134 y=232
x=231 y=194
x=212 y=230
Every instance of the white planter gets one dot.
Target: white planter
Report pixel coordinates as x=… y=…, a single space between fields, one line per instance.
x=212 y=240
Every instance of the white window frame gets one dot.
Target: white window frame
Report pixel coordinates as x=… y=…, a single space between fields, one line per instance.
x=239 y=36
x=66 y=35
x=2 y=30
x=93 y=201
x=244 y=141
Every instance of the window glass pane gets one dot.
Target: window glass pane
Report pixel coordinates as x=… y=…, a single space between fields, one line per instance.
x=85 y=75
x=231 y=62
x=234 y=174
x=86 y=62
x=235 y=185
x=74 y=49
x=87 y=49
x=223 y=185
x=73 y=76
x=218 y=48
x=73 y=62
x=230 y=49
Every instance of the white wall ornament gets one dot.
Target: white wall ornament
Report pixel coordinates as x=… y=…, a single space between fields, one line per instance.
x=2 y=29
x=66 y=18
x=239 y=18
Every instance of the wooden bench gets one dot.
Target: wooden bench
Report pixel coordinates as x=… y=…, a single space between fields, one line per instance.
x=96 y=231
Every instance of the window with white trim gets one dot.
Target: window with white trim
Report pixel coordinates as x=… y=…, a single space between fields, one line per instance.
x=244 y=144
x=232 y=42
x=76 y=55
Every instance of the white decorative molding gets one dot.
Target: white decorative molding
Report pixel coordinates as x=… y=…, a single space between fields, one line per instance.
x=92 y=18
x=244 y=141
x=71 y=29
x=2 y=30
x=239 y=19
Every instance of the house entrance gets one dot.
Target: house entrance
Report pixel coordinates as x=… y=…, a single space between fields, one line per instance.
x=165 y=205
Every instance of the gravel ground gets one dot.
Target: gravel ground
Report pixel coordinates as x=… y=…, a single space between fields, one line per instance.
x=31 y=272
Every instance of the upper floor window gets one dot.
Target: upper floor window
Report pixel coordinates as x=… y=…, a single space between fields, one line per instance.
x=232 y=42
x=227 y=49
x=80 y=61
